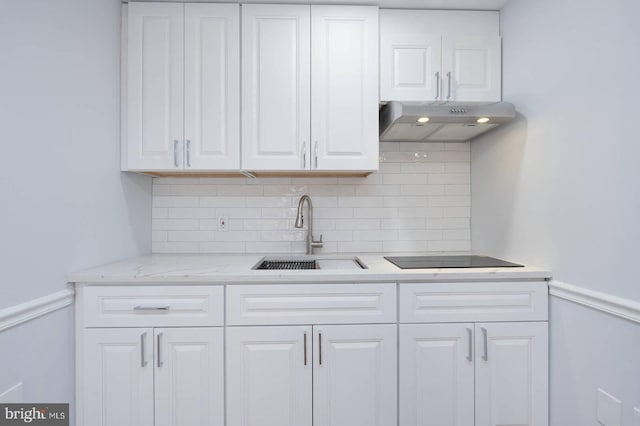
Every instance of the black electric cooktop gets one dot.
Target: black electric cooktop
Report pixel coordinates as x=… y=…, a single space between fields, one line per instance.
x=454 y=261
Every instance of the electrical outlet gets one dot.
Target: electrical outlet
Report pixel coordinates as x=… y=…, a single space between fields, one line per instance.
x=609 y=409
x=636 y=416
x=223 y=223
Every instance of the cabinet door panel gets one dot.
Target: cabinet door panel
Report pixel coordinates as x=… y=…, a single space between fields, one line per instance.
x=512 y=374
x=475 y=66
x=212 y=86
x=275 y=86
x=268 y=383
x=154 y=85
x=408 y=67
x=117 y=389
x=189 y=378
x=436 y=375
x=344 y=87
x=355 y=375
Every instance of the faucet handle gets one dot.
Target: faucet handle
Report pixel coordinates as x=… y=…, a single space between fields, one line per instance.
x=316 y=244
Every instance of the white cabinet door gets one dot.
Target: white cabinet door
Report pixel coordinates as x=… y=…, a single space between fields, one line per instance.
x=410 y=67
x=212 y=86
x=116 y=377
x=355 y=375
x=269 y=376
x=344 y=123
x=275 y=87
x=436 y=374
x=512 y=374
x=155 y=86
x=189 y=380
x=475 y=67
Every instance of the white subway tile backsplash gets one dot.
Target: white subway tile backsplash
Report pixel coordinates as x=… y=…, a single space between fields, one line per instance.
x=171 y=201
x=418 y=201
x=405 y=246
x=360 y=201
x=174 y=224
x=222 y=201
x=358 y=224
x=240 y=190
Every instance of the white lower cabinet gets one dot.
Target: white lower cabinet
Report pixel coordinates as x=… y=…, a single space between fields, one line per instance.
x=131 y=376
x=355 y=375
x=436 y=375
x=341 y=375
x=487 y=374
x=512 y=368
x=269 y=376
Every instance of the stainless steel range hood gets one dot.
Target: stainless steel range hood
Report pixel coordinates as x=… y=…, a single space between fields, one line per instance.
x=430 y=122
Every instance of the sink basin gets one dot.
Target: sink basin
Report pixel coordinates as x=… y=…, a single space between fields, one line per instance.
x=290 y=263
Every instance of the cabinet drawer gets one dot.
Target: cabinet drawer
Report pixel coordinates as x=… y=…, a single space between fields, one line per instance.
x=153 y=306
x=469 y=302
x=311 y=304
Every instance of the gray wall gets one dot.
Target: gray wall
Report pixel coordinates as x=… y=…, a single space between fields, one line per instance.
x=64 y=203
x=560 y=188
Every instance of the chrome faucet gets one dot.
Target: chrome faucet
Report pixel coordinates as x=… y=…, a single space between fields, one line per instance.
x=311 y=243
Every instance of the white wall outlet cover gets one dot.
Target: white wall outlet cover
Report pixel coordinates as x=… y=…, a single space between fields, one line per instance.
x=609 y=409
x=223 y=223
x=636 y=416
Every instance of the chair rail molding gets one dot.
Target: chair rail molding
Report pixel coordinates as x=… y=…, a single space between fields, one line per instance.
x=621 y=307
x=32 y=309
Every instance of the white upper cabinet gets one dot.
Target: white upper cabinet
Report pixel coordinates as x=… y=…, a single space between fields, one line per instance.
x=310 y=87
x=344 y=87
x=440 y=56
x=212 y=87
x=182 y=87
x=155 y=90
x=276 y=81
x=475 y=67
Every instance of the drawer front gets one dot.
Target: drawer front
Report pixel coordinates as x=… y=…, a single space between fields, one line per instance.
x=470 y=302
x=153 y=306
x=311 y=304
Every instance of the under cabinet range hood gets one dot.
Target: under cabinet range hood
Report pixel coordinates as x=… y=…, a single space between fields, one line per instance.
x=431 y=122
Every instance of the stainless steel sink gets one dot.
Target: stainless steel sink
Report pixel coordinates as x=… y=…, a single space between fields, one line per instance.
x=308 y=262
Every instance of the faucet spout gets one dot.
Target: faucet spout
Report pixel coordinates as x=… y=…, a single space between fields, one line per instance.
x=311 y=243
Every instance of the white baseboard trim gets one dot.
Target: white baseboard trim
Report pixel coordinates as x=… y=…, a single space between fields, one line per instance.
x=15 y=315
x=614 y=305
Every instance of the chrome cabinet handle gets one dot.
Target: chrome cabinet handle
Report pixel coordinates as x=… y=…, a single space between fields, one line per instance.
x=305 y=348
x=320 y=348
x=485 y=357
x=151 y=308
x=438 y=85
x=160 y=362
x=449 y=84
x=175 y=152
x=304 y=154
x=188 y=153
x=470 y=342
x=315 y=154
x=143 y=359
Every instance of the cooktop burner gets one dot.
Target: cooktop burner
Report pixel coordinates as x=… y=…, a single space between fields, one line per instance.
x=454 y=261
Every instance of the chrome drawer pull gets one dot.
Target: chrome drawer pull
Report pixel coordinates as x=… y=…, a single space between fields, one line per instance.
x=151 y=308
x=143 y=356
